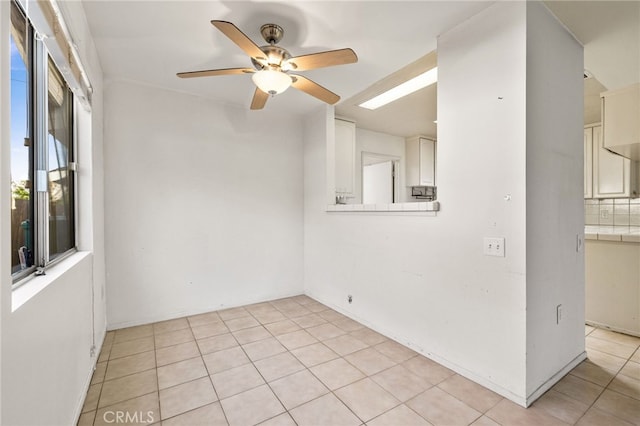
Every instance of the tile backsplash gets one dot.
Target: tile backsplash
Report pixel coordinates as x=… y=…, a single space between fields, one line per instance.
x=612 y=212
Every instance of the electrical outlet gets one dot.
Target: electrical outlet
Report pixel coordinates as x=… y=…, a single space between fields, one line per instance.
x=349 y=298
x=493 y=246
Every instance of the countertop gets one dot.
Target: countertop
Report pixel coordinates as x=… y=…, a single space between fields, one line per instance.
x=627 y=234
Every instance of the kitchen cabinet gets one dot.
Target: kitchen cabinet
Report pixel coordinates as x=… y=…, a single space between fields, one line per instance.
x=420 y=160
x=613 y=175
x=621 y=121
x=588 y=162
x=345 y=155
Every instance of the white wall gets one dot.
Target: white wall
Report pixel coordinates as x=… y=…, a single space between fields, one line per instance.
x=555 y=204
x=45 y=344
x=203 y=204
x=424 y=280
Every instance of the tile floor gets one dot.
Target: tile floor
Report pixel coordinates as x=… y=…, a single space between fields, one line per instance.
x=294 y=361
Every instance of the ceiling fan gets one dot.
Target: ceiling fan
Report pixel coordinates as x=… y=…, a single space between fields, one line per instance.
x=272 y=65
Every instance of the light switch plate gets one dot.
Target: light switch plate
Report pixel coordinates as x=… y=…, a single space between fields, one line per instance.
x=493 y=246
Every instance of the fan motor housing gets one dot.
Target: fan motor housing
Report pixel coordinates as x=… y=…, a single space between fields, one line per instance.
x=276 y=56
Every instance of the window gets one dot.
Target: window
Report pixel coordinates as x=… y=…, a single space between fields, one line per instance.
x=42 y=177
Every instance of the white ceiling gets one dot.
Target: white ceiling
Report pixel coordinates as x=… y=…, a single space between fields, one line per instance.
x=150 y=41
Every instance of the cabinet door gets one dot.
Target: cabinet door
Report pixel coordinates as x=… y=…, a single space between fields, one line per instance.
x=345 y=151
x=588 y=163
x=427 y=162
x=611 y=171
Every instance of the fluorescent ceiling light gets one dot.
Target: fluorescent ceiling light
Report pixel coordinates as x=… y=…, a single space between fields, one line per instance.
x=404 y=89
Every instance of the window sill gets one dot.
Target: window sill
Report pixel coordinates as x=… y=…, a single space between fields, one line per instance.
x=425 y=206
x=35 y=284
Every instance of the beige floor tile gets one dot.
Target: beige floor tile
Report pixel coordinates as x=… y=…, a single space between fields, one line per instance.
x=593 y=373
x=130 y=364
x=509 y=413
x=278 y=366
x=206 y=318
x=132 y=333
x=176 y=353
x=181 y=372
x=605 y=360
x=395 y=351
x=578 y=389
x=296 y=339
x=143 y=410
x=260 y=307
x=345 y=344
x=236 y=324
x=208 y=415
x=609 y=347
x=269 y=317
x=595 y=417
x=624 y=339
x=310 y=320
x=209 y=329
x=186 y=397
x=560 y=406
x=171 y=338
x=636 y=356
x=170 y=325
x=105 y=352
x=325 y=331
x=348 y=325
x=631 y=369
x=236 y=380
x=484 y=421
x=92 y=397
x=282 y=327
x=251 y=407
x=99 y=372
x=316 y=307
x=263 y=349
x=127 y=387
x=336 y=373
x=440 y=408
x=401 y=383
x=217 y=343
x=588 y=329
x=294 y=311
x=232 y=313
x=326 y=410
x=132 y=347
x=225 y=359
x=298 y=388
x=331 y=315
x=626 y=385
x=366 y=399
x=471 y=393
x=86 y=419
x=427 y=369
x=369 y=361
x=252 y=334
x=283 y=419
x=368 y=336
x=302 y=299
x=619 y=405
x=400 y=415
x=314 y=354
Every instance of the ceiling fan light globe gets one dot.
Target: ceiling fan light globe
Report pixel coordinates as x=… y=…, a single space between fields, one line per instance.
x=271 y=81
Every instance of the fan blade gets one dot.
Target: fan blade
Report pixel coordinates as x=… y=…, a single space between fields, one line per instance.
x=259 y=99
x=314 y=89
x=239 y=38
x=211 y=73
x=323 y=59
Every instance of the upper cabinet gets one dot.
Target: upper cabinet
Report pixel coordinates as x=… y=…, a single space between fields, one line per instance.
x=420 y=161
x=613 y=175
x=588 y=162
x=345 y=152
x=621 y=121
